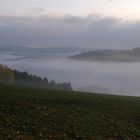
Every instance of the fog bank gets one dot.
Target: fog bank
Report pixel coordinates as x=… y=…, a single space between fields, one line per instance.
x=114 y=78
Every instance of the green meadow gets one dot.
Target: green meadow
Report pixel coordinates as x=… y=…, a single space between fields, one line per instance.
x=37 y=114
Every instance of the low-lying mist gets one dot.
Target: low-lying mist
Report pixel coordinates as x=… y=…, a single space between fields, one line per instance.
x=102 y=77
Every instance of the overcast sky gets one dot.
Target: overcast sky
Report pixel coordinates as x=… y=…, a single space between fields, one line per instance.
x=127 y=9
x=76 y=23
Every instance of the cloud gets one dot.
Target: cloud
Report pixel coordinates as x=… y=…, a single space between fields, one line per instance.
x=111 y=0
x=52 y=31
x=1 y=24
x=35 y=11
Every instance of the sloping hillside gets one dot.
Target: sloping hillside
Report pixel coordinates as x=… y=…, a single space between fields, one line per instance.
x=35 y=114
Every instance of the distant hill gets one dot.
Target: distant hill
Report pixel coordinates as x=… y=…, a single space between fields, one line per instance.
x=132 y=55
x=22 y=50
x=16 y=53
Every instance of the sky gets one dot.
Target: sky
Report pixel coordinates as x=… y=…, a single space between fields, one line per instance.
x=126 y=9
x=76 y=23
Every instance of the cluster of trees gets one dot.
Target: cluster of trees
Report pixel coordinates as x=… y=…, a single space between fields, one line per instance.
x=23 y=78
x=9 y=76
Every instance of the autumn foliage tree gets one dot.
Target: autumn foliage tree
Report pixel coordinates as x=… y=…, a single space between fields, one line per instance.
x=6 y=75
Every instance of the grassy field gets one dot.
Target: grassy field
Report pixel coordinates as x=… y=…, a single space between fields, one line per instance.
x=33 y=114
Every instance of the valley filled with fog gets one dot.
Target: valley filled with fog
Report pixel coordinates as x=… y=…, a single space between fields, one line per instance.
x=102 y=77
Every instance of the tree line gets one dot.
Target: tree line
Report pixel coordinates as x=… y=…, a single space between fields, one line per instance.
x=8 y=76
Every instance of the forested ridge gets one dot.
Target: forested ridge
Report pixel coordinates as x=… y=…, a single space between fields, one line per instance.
x=8 y=76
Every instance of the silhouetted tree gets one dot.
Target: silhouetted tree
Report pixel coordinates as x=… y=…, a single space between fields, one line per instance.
x=23 y=78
